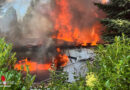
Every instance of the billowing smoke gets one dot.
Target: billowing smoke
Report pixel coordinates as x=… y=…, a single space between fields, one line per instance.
x=24 y=20
x=77 y=21
x=84 y=12
x=26 y=23
x=37 y=28
x=10 y=15
x=29 y=22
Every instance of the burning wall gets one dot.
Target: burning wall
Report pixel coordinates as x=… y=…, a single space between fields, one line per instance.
x=68 y=20
x=48 y=22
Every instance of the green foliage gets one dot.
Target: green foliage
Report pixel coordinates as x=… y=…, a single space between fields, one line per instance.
x=115 y=7
x=14 y=79
x=7 y=58
x=113 y=65
x=115 y=27
x=115 y=24
x=28 y=80
x=118 y=18
x=59 y=82
x=109 y=71
x=123 y=14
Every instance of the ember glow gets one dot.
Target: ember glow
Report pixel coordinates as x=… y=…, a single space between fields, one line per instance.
x=72 y=33
x=61 y=60
x=33 y=66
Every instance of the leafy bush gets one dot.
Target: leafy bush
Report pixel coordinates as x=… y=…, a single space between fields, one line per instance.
x=7 y=58
x=58 y=80
x=14 y=79
x=112 y=65
x=109 y=71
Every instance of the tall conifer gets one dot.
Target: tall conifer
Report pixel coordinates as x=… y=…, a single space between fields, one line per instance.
x=117 y=20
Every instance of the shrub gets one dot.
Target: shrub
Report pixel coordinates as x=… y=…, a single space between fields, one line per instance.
x=112 y=65
x=7 y=58
x=14 y=79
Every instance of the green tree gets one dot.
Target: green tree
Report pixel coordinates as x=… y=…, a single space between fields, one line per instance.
x=117 y=20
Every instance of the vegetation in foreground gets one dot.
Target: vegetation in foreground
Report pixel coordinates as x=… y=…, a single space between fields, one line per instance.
x=109 y=71
x=14 y=79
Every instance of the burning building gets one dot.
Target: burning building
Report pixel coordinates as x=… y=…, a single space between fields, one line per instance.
x=53 y=31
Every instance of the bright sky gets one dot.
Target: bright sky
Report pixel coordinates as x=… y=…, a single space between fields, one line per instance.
x=21 y=7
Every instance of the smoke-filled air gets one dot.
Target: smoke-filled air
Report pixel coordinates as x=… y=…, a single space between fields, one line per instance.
x=50 y=23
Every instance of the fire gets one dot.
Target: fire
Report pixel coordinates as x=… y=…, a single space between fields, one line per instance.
x=61 y=60
x=104 y=1
x=67 y=32
x=33 y=66
x=58 y=50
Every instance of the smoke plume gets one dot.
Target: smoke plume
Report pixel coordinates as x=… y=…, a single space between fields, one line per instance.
x=31 y=22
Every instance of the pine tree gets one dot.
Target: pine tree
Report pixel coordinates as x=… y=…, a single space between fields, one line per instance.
x=117 y=19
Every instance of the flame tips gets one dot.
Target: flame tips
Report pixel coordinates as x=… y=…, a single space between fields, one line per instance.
x=69 y=32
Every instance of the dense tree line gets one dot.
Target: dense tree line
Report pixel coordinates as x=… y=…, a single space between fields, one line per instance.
x=117 y=20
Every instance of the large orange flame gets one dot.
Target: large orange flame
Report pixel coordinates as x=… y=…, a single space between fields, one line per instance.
x=70 y=33
x=60 y=60
x=66 y=32
x=33 y=66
